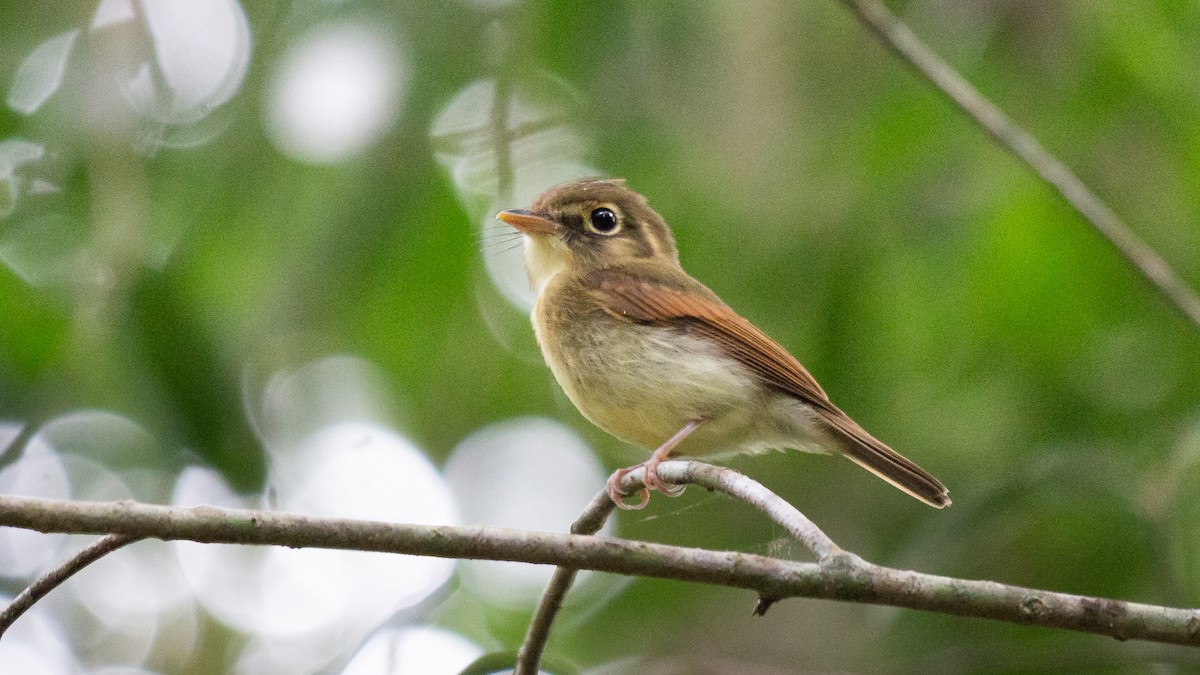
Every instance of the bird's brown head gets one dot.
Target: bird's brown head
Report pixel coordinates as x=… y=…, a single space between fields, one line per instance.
x=589 y=224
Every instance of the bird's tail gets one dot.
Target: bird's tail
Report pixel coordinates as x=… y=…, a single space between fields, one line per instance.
x=873 y=455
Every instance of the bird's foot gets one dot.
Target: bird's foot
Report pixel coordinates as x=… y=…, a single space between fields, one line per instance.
x=655 y=482
x=618 y=497
x=652 y=481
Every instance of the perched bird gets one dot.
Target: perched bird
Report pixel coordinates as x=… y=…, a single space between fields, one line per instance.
x=655 y=358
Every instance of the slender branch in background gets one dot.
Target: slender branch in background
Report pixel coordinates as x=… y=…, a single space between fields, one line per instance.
x=840 y=577
x=59 y=575
x=500 y=115
x=712 y=477
x=502 y=138
x=893 y=33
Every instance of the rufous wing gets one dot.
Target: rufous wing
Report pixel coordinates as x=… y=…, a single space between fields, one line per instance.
x=686 y=303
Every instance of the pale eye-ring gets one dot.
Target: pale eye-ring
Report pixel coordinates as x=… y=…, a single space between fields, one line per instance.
x=603 y=221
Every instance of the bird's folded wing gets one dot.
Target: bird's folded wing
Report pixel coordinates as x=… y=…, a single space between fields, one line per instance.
x=700 y=311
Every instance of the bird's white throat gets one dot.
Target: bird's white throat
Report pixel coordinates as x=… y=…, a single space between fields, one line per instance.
x=545 y=256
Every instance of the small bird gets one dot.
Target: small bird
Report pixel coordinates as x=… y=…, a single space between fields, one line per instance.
x=655 y=358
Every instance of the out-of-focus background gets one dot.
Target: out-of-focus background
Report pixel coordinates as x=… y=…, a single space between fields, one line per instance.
x=247 y=257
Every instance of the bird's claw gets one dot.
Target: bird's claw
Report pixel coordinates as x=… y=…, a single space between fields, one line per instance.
x=651 y=481
x=618 y=496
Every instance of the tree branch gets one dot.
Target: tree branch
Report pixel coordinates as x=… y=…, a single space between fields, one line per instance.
x=740 y=486
x=712 y=477
x=892 y=32
x=59 y=575
x=839 y=577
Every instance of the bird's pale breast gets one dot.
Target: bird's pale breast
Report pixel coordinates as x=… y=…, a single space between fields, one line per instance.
x=642 y=383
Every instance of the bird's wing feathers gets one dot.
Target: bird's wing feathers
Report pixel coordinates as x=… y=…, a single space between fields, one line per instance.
x=646 y=301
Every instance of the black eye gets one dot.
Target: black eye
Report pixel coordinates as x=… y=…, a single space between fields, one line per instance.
x=603 y=221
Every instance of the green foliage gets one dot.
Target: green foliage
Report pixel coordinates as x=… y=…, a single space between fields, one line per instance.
x=941 y=294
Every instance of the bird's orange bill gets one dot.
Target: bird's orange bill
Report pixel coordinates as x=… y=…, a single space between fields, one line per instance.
x=647 y=301
x=528 y=222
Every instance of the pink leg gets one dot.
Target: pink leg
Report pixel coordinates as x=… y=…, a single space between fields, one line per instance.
x=652 y=481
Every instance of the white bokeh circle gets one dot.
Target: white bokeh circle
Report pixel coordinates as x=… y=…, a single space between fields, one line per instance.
x=338 y=91
x=420 y=650
x=528 y=473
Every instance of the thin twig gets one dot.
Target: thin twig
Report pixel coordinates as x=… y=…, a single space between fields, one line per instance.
x=841 y=577
x=679 y=472
x=892 y=32
x=59 y=575
x=752 y=492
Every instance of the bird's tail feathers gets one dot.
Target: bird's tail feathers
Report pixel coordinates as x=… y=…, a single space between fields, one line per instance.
x=873 y=455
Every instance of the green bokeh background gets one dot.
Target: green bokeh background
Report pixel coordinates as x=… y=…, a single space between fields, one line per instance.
x=942 y=295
